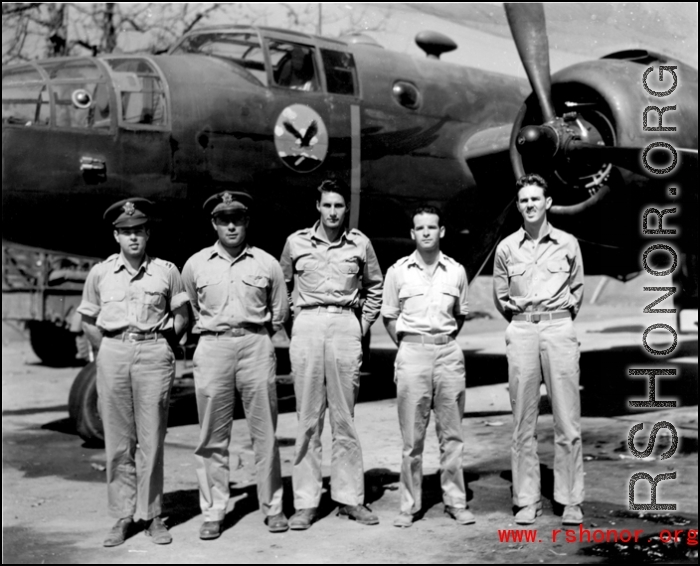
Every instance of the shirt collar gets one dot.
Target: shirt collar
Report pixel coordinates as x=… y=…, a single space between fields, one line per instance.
x=415 y=261
x=346 y=235
x=218 y=249
x=552 y=233
x=122 y=263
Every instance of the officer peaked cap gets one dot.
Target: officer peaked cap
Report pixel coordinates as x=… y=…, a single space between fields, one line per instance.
x=129 y=212
x=228 y=201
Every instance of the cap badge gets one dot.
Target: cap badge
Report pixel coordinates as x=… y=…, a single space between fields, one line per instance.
x=227 y=199
x=129 y=208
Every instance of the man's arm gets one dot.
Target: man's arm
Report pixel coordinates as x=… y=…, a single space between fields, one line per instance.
x=390 y=325
x=371 y=289
x=501 y=287
x=181 y=318
x=461 y=309
x=278 y=299
x=190 y=286
x=390 y=304
x=94 y=335
x=287 y=267
x=576 y=281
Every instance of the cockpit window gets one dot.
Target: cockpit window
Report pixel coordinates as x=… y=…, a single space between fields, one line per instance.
x=141 y=92
x=243 y=49
x=341 y=76
x=24 y=97
x=293 y=65
x=82 y=69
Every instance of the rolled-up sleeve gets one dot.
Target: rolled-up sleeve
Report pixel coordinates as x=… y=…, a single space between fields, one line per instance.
x=371 y=285
x=279 y=302
x=390 y=296
x=501 y=291
x=462 y=306
x=91 y=303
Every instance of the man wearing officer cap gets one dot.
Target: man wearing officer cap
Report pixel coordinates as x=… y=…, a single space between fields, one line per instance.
x=239 y=298
x=130 y=301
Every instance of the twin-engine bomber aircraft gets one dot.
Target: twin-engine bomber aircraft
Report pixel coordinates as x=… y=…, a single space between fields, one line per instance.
x=275 y=112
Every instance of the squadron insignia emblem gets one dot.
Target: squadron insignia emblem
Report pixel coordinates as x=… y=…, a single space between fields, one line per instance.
x=129 y=208
x=301 y=138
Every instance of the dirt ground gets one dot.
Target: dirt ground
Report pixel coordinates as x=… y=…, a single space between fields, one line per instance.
x=54 y=497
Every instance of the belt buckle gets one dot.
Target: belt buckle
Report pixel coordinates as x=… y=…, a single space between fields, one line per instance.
x=441 y=340
x=132 y=336
x=237 y=332
x=334 y=309
x=535 y=317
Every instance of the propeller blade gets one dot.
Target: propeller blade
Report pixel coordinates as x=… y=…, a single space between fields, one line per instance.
x=629 y=158
x=527 y=24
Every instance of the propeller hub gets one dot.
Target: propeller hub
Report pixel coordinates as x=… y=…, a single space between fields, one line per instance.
x=542 y=140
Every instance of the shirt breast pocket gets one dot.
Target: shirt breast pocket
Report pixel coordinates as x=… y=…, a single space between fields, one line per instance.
x=113 y=301
x=517 y=280
x=557 y=275
x=309 y=273
x=450 y=297
x=350 y=273
x=154 y=305
x=255 y=288
x=412 y=299
x=212 y=291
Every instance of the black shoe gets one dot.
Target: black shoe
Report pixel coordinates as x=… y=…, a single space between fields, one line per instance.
x=118 y=533
x=210 y=530
x=158 y=533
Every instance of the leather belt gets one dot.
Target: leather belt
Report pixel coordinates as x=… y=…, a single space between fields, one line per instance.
x=334 y=309
x=134 y=335
x=538 y=316
x=233 y=332
x=427 y=339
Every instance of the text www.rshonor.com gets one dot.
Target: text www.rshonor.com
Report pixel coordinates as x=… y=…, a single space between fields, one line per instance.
x=582 y=535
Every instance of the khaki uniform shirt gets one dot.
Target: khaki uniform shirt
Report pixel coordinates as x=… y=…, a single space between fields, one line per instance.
x=228 y=293
x=425 y=304
x=543 y=276
x=338 y=273
x=142 y=301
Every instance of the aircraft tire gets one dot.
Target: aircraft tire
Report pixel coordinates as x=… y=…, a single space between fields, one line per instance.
x=54 y=345
x=82 y=405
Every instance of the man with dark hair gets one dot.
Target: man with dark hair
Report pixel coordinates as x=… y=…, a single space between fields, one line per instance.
x=130 y=301
x=332 y=270
x=424 y=307
x=538 y=288
x=239 y=297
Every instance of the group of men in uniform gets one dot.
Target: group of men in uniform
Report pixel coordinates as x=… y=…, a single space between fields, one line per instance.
x=134 y=307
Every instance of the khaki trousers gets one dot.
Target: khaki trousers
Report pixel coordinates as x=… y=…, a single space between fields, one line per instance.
x=133 y=386
x=326 y=354
x=222 y=366
x=546 y=349
x=431 y=376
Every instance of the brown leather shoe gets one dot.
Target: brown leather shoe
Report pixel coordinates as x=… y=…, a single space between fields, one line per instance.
x=158 y=533
x=277 y=523
x=119 y=532
x=210 y=530
x=360 y=513
x=302 y=519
